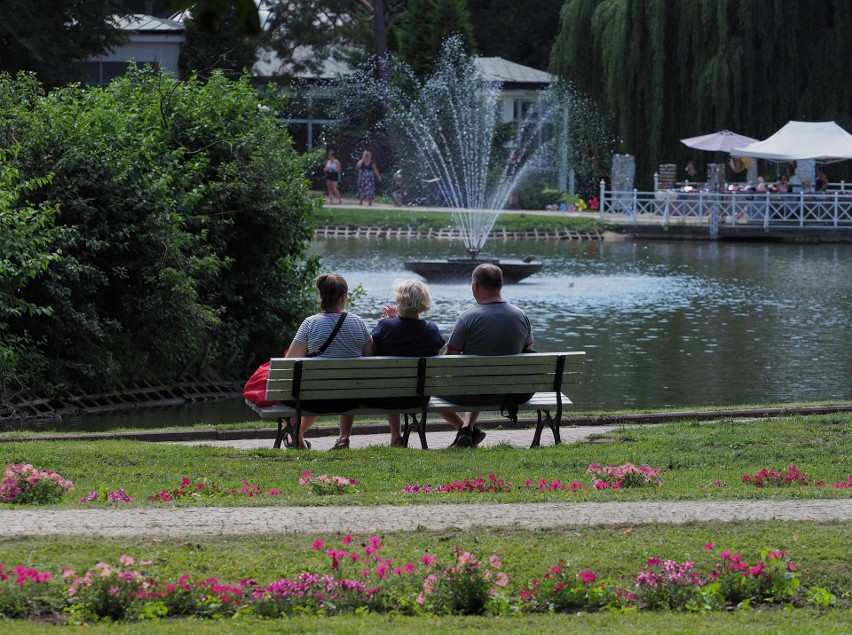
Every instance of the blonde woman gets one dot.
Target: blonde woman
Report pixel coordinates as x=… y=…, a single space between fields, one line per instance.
x=401 y=332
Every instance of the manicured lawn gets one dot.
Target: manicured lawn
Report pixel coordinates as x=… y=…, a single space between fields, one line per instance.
x=408 y=217
x=697 y=461
x=693 y=457
x=800 y=622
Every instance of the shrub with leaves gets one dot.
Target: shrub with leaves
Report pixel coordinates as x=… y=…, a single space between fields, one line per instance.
x=623 y=476
x=773 y=578
x=773 y=477
x=25 y=485
x=185 y=224
x=463 y=588
x=670 y=585
x=325 y=485
x=23 y=592
x=560 y=590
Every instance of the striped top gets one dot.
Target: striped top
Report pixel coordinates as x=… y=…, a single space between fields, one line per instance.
x=349 y=341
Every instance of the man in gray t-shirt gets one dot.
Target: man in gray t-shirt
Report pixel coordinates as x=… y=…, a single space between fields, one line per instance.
x=492 y=327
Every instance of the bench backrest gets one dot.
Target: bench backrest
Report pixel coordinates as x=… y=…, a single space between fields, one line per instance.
x=503 y=374
x=361 y=377
x=366 y=377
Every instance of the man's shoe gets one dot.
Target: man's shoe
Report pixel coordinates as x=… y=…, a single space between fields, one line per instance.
x=478 y=436
x=463 y=439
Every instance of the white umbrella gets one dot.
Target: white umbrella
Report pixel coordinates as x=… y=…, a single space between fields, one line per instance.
x=722 y=141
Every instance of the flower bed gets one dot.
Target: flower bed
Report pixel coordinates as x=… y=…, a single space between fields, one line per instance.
x=358 y=577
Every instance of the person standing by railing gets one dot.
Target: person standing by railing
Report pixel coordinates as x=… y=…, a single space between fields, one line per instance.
x=821 y=184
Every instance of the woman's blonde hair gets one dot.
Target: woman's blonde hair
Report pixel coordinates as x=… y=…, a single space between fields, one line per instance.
x=412 y=295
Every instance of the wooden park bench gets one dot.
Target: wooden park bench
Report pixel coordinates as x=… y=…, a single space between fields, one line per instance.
x=420 y=382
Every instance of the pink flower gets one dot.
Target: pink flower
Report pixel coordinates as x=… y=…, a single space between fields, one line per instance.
x=708 y=546
x=126 y=560
x=588 y=577
x=495 y=561
x=501 y=579
x=318 y=544
x=347 y=539
x=428 y=560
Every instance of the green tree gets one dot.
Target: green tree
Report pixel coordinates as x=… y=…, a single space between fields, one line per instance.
x=425 y=25
x=669 y=70
x=221 y=47
x=307 y=34
x=186 y=227
x=210 y=14
x=47 y=37
x=509 y=29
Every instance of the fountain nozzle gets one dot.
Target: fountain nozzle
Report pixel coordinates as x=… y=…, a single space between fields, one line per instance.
x=473 y=251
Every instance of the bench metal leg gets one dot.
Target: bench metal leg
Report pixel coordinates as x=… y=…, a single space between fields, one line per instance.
x=545 y=418
x=283 y=431
x=413 y=422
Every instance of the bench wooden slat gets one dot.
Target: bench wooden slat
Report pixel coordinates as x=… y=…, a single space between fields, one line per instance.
x=376 y=367
x=322 y=394
x=452 y=386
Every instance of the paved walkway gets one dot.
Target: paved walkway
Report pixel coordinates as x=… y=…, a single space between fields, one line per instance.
x=225 y=521
x=168 y=522
x=364 y=436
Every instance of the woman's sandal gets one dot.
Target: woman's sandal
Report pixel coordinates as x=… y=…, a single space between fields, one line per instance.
x=341 y=444
x=289 y=442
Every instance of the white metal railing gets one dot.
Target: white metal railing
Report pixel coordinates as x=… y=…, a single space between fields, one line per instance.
x=826 y=209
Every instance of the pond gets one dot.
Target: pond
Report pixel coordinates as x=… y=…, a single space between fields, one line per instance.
x=663 y=324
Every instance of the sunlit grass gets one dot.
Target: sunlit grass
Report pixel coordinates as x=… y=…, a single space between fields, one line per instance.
x=692 y=457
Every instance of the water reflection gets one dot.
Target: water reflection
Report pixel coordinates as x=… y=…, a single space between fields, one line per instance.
x=675 y=324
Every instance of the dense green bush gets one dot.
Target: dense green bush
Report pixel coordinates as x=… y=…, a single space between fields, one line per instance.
x=537 y=193
x=185 y=219
x=26 y=250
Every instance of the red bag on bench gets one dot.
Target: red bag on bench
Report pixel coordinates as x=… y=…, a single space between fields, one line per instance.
x=255 y=388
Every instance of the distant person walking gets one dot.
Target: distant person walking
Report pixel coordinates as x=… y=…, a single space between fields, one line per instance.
x=332 y=177
x=368 y=177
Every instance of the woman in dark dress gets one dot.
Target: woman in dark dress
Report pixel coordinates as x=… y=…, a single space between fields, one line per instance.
x=368 y=176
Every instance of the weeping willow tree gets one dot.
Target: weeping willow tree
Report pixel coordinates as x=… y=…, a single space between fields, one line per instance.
x=668 y=69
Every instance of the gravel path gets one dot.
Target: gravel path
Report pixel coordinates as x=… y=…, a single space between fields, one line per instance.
x=219 y=521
